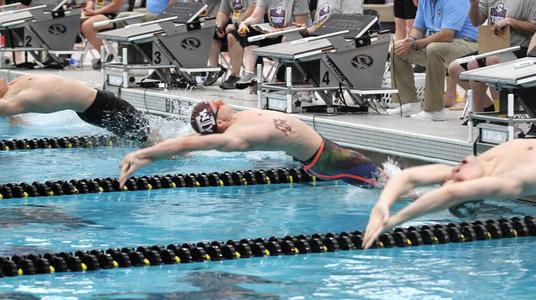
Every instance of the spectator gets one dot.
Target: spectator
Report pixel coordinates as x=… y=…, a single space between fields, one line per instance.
x=520 y=16
x=280 y=14
x=150 y=11
x=231 y=13
x=100 y=10
x=324 y=8
x=405 y=11
x=442 y=32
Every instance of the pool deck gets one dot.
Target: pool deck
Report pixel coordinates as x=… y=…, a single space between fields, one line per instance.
x=445 y=141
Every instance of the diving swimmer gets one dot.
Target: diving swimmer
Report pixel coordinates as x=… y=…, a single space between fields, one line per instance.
x=51 y=93
x=222 y=129
x=504 y=172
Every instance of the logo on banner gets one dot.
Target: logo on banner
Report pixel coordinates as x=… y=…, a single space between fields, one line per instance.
x=277 y=16
x=237 y=4
x=498 y=13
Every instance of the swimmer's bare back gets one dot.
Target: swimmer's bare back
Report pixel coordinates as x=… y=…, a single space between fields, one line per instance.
x=49 y=93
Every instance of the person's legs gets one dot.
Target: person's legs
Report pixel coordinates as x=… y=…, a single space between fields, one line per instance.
x=481 y=100
x=91 y=33
x=438 y=57
x=453 y=80
x=400 y=29
x=400 y=19
x=402 y=77
x=214 y=56
x=250 y=59
x=236 y=54
x=409 y=25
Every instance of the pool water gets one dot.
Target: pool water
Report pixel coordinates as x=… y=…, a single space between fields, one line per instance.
x=497 y=268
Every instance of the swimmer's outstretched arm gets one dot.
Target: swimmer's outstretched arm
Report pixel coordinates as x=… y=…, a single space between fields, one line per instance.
x=169 y=148
x=445 y=197
x=401 y=184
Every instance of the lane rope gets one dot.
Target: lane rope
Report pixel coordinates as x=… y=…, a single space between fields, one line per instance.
x=105 y=185
x=204 y=251
x=63 y=142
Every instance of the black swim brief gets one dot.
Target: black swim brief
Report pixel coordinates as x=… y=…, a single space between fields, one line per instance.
x=118 y=116
x=332 y=161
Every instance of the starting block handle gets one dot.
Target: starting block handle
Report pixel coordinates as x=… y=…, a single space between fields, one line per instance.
x=261 y=37
x=464 y=60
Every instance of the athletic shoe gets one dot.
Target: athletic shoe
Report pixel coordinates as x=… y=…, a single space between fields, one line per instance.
x=245 y=81
x=97 y=64
x=430 y=116
x=248 y=77
x=407 y=109
x=212 y=77
x=230 y=82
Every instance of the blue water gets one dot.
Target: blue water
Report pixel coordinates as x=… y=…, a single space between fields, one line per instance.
x=480 y=270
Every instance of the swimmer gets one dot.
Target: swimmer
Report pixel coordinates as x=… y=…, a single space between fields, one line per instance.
x=51 y=93
x=222 y=129
x=504 y=172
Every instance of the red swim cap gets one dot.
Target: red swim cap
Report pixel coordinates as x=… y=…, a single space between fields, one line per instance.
x=203 y=119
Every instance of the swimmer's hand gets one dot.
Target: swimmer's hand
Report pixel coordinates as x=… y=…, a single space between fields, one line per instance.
x=378 y=223
x=130 y=164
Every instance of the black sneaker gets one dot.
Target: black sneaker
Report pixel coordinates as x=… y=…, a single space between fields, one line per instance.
x=97 y=64
x=212 y=77
x=230 y=82
x=246 y=81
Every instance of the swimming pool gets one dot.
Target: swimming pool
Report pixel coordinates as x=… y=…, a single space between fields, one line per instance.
x=502 y=268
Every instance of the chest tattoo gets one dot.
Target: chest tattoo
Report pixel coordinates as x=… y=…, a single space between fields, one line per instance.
x=283 y=126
